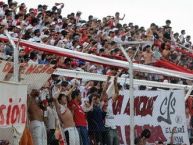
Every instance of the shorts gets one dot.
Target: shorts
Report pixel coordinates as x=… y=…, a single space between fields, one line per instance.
x=72 y=136
x=38 y=131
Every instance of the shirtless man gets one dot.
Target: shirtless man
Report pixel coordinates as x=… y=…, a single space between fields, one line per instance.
x=66 y=118
x=37 y=126
x=166 y=52
x=147 y=55
x=118 y=18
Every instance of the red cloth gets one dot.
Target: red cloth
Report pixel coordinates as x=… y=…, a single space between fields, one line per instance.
x=109 y=73
x=185 y=52
x=190 y=105
x=169 y=65
x=79 y=115
x=83 y=38
x=27 y=50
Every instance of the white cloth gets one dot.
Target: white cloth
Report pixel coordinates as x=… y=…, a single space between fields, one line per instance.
x=36 y=39
x=72 y=136
x=32 y=62
x=63 y=109
x=52 y=118
x=38 y=131
x=182 y=38
x=109 y=119
x=118 y=40
x=2 y=13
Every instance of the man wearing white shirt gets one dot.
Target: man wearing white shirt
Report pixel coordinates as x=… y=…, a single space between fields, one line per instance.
x=117 y=37
x=182 y=36
x=37 y=34
x=188 y=43
x=33 y=58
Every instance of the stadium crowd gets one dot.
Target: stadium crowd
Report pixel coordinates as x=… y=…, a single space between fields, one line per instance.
x=81 y=104
x=93 y=36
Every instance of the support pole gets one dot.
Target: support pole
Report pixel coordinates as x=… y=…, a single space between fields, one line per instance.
x=188 y=93
x=131 y=95
x=136 y=52
x=15 y=77
x=16 y=57
x=99 y=77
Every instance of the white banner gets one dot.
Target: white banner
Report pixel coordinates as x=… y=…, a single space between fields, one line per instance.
x=13 y=110
x=33 y=75
x=158 y=111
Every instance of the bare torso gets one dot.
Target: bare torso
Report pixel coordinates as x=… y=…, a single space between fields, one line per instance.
x=147 y=57
x=166 y=53
x=67 y=119
x=35 y=112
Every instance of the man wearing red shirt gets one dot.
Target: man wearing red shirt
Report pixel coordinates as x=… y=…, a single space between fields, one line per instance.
x=79 y=115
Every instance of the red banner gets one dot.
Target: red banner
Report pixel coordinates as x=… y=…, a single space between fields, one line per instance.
x=169 y=65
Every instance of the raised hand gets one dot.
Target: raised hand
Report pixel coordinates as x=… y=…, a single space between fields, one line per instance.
x=56 y=93
x=108 y=78
x=115 y=79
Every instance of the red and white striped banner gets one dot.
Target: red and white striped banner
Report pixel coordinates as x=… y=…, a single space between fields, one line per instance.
x=99 y=59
